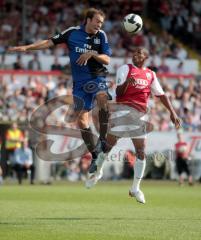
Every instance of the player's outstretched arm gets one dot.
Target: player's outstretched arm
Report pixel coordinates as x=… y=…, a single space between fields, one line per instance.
x=173 y=116
x=43 y=44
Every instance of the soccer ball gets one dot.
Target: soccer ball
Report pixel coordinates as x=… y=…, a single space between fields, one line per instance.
x=132 y=23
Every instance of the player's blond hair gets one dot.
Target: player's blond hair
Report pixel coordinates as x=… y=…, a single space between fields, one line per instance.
x=91 y=12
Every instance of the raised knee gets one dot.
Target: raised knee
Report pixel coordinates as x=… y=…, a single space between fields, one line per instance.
x=82 y=123
x=103 y=101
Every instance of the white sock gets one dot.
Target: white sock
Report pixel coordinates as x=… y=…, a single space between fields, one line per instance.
x=139 y=168
x=101 y=159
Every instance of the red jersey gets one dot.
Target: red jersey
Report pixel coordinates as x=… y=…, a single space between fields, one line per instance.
x=145 y=83
x=182 y=150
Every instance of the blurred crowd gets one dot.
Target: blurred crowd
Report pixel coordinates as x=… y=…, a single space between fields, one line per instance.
x=19 y=98
x=181 y=18
x=43 y=19
x=185 y=97
x=46 y=18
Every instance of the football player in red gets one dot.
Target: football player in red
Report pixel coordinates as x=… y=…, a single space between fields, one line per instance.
x=182 y=159
x=135 y=83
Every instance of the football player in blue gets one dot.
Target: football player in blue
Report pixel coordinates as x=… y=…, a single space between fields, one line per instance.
x=89 y=51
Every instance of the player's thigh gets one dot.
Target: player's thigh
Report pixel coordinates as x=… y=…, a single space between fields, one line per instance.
x=82 y=100
x=82 y=118
x=102 y=92
x=101 y=98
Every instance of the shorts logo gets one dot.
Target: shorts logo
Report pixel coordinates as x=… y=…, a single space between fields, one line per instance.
x=96 y=41
x=90 y=87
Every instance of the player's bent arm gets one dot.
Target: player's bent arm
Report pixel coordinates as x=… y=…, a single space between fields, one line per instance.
x=174 y=118
x=43 y=44
x=101 y=58
x=121 y=89
x=122 y=81
x=166 y=102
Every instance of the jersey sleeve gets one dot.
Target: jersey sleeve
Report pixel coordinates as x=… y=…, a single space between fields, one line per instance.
x=122 y=73
x=61 y=37
x=105 y=48
x=156 y=88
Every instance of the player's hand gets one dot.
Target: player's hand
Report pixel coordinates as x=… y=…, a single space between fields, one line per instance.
x=18 y=49
x=131 y=81
x=176 y=120
x=82 y=60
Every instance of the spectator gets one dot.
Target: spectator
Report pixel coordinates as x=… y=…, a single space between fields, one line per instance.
x=182 y=18
x=34 y=64
x=181 y=53
x=56 y=65
x=179 y=88
x=51 y=85
x=14 y=137
x=182 y=159
x=187 y=119
x=163 y=67
x=153 y=66
x=3 y=64
x=18 y=64
x=61 y=90
x=163 y=124
x=23 y=161
x=179 y=69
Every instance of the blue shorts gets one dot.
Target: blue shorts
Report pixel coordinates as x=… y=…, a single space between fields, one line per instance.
x=85 y=93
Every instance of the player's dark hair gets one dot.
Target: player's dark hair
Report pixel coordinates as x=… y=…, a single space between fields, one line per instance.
x=91 y=12
x=137 y=49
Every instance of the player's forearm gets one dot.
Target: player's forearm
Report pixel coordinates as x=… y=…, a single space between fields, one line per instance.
x=101 y=58
x=166 y=102
x=120 y=90
x=43 y=44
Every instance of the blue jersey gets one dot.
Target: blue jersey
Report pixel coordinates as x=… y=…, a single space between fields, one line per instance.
x=79 y=42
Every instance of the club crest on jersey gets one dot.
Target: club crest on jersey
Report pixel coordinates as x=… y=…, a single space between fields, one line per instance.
x=148 y=75
x=56 y=36
x=96 y=41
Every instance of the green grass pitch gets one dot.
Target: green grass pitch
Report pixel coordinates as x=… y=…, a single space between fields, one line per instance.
x=69 y=211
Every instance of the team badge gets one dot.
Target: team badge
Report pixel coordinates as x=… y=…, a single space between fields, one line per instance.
x=57 y=36
x=96 y=41
x=148 y=76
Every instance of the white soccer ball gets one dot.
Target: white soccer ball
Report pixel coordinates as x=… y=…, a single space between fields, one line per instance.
x=132 y=23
